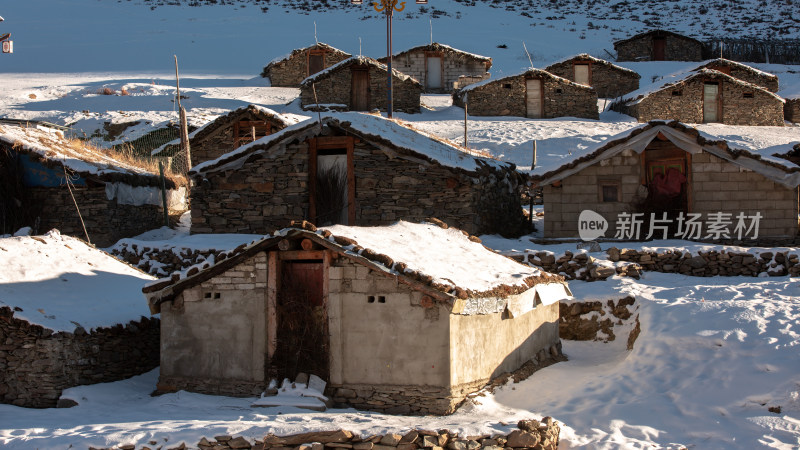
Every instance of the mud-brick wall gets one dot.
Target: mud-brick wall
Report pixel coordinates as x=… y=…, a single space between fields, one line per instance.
x=507 y=97
x=291 y=72
x=106 y=221
x=677 y=49
x=336 y=88
x=608 y=81
x=36 y=364
x=718 y=185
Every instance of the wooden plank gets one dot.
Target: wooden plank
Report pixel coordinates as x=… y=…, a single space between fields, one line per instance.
x=351 y=183
x=301 y=254
x=272 y=301
x=312 y=180
x=329 y=142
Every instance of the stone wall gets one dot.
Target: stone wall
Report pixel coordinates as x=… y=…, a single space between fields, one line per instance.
x=335 y=88
x=608 y=81
x=36 y=364
x=597 y=321
x=791 y=110
x=753 y=76
x=292 y=71
x=455 y=65
x=507 y=97
x=221 y=140
x=106 y=221
x=213 y=338
x=684 y=102
x=677 y=49
x=387 y=190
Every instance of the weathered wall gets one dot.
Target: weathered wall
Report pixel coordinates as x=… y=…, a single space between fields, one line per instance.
x=455 y=65
x=762 y=109
x=217 y=344
x=291 y=72
x=716 y=186
x=106 y=221
x=221 y=141
x=37 y=364
x=791 y=110
x=387 y=190
x=506 y=97
x=677 y=49
x=336 y=87
x=608 y=81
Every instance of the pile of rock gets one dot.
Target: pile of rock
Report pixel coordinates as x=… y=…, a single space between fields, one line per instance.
x=160 y=262
x=596 y=321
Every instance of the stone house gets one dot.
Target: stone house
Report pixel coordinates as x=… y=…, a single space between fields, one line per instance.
x=359 y=84
x=791 y=110
x=439 y=66
x=609 y=80
x=535 y=93
x=659 y=45
x=301 y=63
x=704 y=96
x=356 y=169
x=743 y=72
x=671 y=170
x=44 y=175
x=70 y=327
x=393 y=330
x=230 y=131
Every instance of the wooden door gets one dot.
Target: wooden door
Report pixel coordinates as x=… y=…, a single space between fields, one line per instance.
x=302 y=321
x=659 y=49
x=359 y=95
x=316 y=62
x=711 y=102
x=533 y=89
x=433 y=75
x=582 y=74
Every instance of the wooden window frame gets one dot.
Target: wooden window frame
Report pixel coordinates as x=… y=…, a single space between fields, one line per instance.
x=315 y=52
x=360 y=68
x=609 y=182
x=238 y=140
x=326 y=143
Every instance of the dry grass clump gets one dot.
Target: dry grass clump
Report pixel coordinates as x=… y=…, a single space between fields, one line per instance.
x=106 y=91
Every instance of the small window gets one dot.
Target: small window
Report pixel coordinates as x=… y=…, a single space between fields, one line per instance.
x=507 y=85
x=381 y=299
x=207 y=295
x=747 y=95
x=677 y=93
x=609 y=191
x=371 y=299
x=217 y=295
x=559 y=91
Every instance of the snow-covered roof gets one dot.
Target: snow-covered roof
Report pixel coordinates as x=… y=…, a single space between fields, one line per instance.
x=680 y=77
x=49 y=146
x=445 y=262
x=375 y=129
x=656 y=32
x=436 y=46
x=286 y=57
x=728 y=62
x=732 y=148
x=357 y=60
x=588 y=57
x=60 y=283
x=528 y=72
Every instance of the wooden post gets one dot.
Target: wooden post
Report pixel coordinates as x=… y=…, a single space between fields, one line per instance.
x=272 y=302
x=164 y=193
x=185 y=140
x=177 y=81
x=533 y=164
x=466 y=143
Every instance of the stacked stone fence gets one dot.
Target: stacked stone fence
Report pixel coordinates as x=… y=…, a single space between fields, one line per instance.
x=596 y=320
x=36 y=364
x=632 y=262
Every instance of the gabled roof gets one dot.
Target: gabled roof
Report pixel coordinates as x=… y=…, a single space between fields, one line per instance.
x=50 y=148
x=284 y=58
x=685 y=137
x=728 y=62
x=438 y=47
x=658 y=33
x=355 y=60
x=529 y=72
x=588 y=57
x=678 y=78
x=444 y=262
x=377 y=130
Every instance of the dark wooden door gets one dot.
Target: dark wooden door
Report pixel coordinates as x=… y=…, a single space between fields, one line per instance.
x=302 y=321
x=359 y=96
x=316 y=62
x=659 y=49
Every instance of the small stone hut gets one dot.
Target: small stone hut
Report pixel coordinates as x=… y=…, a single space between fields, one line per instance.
x=44 y=175
x=230 y=131
x=301 y=63
x=659 y=45
x=791 y=110
x=63 y=325
x=355 y=169
x=743 y=72
x=609 y=80
x=404 y=319
x=535 y=93
x=704 y=96
x=670 y=170
x=359 y=84
x=440 y=67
